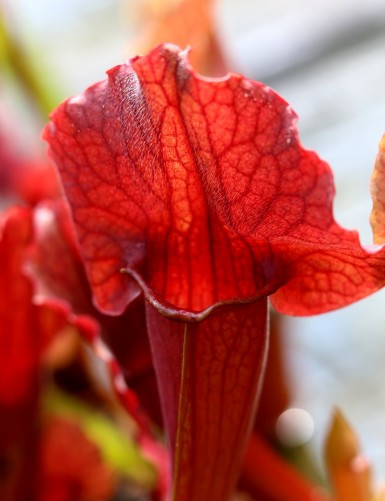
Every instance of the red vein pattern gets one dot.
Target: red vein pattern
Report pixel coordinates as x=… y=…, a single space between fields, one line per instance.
x=200 y=185
x=215 y=393
x=200 y=191
x=64 y=280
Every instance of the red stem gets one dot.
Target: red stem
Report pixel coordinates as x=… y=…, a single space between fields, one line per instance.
x=209 y=376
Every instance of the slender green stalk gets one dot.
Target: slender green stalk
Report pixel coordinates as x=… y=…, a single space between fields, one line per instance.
x=16 y=60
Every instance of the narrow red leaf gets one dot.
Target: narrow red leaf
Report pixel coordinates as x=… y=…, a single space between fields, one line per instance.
x=26 y=329
x=269 y=478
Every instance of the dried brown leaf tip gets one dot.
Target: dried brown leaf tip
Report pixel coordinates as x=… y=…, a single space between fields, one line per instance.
x=377 y=187
x=349 y=471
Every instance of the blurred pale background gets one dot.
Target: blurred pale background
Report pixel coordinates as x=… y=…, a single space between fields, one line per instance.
x=326 y=58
